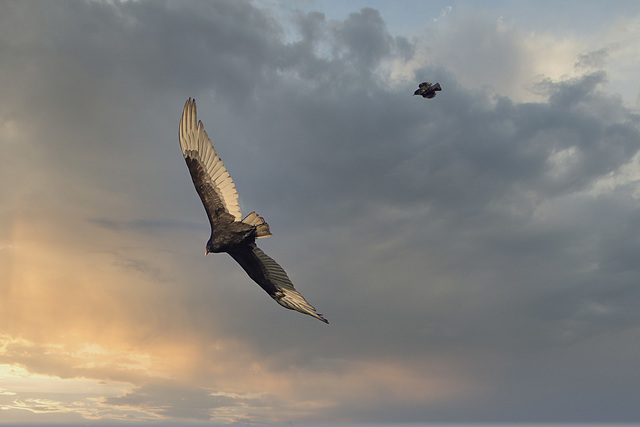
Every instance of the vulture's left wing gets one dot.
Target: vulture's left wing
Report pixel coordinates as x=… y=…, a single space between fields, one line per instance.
x=211 y=179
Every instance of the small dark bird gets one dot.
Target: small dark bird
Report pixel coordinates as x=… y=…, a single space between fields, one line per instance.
x=229 y=232
x=427 y=90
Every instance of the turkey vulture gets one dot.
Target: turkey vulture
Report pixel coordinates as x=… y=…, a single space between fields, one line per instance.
x=229 y=232
x=427 y=90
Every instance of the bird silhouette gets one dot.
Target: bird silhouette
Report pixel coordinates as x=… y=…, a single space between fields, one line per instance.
x=427 y=90
x=230 y=232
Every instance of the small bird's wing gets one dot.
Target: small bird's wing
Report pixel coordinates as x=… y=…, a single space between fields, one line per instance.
x=273 y=279
x=211 y=179
x=424 y=85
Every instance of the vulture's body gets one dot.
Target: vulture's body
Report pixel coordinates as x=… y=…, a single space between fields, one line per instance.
x=229 y=231
x=427 y=90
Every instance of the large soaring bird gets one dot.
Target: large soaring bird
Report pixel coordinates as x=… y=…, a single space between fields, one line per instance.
x=229 y=231
x=427 y=90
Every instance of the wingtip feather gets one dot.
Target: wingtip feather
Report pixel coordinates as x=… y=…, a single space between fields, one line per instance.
x=299 y=305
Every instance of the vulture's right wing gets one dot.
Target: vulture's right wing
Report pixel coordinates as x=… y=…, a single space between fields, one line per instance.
x=273 y=279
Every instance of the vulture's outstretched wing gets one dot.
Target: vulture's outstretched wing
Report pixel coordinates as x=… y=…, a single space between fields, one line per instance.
x=211 y=179
x=273 y=279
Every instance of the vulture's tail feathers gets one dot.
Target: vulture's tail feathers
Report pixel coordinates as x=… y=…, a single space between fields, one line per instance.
x=262 y=228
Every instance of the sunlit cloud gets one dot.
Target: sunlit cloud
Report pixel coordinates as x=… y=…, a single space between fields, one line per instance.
x=42 y=394
x=113 y=384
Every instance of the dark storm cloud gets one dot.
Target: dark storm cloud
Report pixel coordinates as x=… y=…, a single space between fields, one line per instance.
x=467 y=228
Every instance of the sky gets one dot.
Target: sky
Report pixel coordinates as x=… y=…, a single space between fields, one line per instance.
x=477 y=254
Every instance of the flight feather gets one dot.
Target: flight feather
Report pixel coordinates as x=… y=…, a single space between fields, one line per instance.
x=273 y=279
x=205 y=166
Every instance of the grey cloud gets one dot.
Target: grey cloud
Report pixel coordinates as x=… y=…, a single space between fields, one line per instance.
x=145 y=224
x=365 y=38
x=329 y=53
x=592 y=59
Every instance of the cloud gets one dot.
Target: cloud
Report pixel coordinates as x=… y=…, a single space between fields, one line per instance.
x=463 y=248
x=171 y=401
